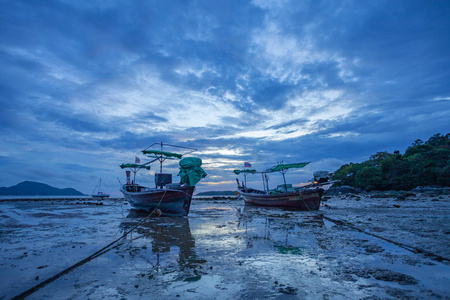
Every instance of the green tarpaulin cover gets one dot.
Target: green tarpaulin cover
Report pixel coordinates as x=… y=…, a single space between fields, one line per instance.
x=237 y=172
x=167 y=154
x=123 y=166
x=190 y=170
x=280 y=167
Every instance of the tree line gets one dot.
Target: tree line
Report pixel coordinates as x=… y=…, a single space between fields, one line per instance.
x=422 y=164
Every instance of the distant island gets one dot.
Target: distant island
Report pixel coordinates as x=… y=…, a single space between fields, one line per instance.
x=217 y=193
x=31 y=188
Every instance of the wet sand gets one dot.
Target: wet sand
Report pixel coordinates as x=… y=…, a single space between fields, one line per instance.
x=354 y=247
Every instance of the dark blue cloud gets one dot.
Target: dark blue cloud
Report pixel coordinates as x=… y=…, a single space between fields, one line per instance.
x=91 y=83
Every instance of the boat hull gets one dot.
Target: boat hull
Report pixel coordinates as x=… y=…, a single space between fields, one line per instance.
x=171 y=202
x=299 y=200
x=103 y=196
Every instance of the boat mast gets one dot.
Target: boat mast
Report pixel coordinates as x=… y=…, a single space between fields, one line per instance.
x=264 y=184
x=245 y=181
x=161 y=159
x=283 y=171
x=95 y=188
x=284 y=179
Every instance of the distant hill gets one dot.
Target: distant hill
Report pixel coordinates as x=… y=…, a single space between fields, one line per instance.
x=423 y=164
x=31 y=188
x=217 y=193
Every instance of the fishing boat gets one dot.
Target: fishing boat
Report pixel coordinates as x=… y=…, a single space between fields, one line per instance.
x=99 y=194
x=172 y=199
x=285 y=195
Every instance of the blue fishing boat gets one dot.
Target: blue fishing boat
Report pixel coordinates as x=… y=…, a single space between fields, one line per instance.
x=171 y=198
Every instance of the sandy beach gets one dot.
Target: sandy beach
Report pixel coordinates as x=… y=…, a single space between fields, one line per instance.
x=357 y=246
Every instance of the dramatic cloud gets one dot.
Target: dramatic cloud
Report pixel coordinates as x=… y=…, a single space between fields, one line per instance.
x=86 y=85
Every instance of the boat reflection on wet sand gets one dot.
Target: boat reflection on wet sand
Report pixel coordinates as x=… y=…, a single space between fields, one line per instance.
x=168 y=236
x=274 y=226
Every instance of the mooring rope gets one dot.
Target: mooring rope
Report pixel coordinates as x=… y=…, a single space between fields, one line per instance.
x=303 y=199
x=402 y=245
x=87 y=259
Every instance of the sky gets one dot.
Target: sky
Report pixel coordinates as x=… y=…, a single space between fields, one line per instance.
x=87 y=85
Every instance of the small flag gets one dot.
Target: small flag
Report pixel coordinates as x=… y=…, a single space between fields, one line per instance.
x=247 y=165
x=137 y=160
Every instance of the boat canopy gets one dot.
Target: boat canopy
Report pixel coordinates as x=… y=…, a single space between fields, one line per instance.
x=132 y=166
x=281 y=167
x=190 y=170
x=237 y=172
x=164 y=153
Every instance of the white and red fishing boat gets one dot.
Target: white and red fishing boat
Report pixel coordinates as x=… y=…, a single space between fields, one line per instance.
x=285 y=195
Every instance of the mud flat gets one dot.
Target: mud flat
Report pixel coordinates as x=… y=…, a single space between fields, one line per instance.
x=354 y=247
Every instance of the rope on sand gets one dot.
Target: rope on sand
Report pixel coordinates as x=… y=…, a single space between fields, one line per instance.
x=87 y=259
x=404 y=246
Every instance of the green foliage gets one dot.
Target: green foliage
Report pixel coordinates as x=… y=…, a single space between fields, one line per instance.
x=424 y=163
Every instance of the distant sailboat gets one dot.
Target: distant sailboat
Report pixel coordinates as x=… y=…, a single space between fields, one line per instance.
x=99 y=195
